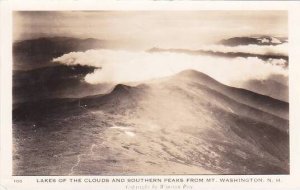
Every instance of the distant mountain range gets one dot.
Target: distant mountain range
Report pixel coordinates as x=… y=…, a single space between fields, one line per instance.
x=260 y=40
x=188 y=119
x=39 y=52
x=36 y=53
x=236 y=41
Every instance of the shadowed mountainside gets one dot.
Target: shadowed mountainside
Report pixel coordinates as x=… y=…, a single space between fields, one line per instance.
x=269 y=87
x=58 y=81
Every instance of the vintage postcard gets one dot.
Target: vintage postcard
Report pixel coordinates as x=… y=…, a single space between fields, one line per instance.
x=149 y=95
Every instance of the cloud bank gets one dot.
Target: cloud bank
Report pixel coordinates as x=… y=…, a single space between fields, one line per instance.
x=118 y=66
x=280 y=50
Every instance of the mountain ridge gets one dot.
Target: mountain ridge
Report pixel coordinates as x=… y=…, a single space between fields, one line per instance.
x=233 y=92
x=121 y=91
x=187 y=120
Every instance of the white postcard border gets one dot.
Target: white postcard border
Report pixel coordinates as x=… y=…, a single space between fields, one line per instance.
x=29 y=182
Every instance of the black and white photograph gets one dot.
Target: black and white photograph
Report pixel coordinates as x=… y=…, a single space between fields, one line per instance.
x=150 y=92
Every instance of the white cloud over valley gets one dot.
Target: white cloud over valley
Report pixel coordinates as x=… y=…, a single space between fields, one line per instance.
x=118 y=66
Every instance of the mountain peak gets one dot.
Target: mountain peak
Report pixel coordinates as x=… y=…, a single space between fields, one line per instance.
x=197 y=76
x=122 y=87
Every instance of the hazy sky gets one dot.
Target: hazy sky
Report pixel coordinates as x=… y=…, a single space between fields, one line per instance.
x=150 y=28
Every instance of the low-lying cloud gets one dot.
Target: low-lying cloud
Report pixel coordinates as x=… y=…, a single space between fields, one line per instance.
x=117 y=66
x=278 y=50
